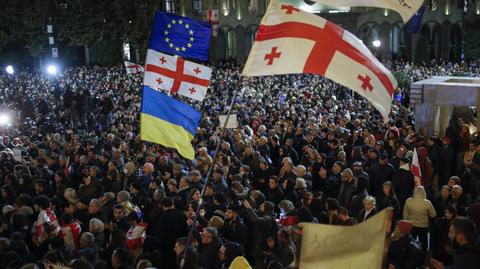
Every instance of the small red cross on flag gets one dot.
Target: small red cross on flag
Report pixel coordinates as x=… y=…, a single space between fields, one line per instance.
x=272 y=55
x=132 y=68
x=290 y=9
x=365 y=82
x=176 y=75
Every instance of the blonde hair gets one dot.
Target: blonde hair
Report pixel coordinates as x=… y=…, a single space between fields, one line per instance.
x=96 y=226
x=70 y=195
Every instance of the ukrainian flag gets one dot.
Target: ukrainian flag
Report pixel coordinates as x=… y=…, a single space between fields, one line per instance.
x=166 y=121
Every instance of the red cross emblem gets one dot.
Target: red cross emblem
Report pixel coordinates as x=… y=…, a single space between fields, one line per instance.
x=289 y=9
x=197 y=70
x=159 y=80
x=366 y=85
x=192 y=90
x=322 y=52
x=178 y=75
x=163 y=60
x=274 y=54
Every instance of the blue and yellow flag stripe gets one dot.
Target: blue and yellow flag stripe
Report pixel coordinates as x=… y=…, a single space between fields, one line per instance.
x=166 y=121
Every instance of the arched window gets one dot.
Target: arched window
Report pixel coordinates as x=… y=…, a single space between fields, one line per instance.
x=225 y=7
x=395 y=37
x=253 y=7
x=231 y=44
x=197 y=6
x=169 y=6
x=238 y=9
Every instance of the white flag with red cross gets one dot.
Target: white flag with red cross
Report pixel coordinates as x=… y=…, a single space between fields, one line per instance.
x=406 y=8
x=132 y=68
x=211 y=16
x=176 y=75
x=290 y=40
x=415 y=169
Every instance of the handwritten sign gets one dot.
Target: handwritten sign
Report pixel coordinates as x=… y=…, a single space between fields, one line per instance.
x=358 y=246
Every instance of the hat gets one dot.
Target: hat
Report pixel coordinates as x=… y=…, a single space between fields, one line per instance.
x=404 y=226
x=89 y=253
x=357 y=163
x=384 y=156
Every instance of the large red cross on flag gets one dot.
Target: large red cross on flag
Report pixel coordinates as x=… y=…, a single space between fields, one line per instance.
x=176 y=75
x=132 y=68
x=290 y=40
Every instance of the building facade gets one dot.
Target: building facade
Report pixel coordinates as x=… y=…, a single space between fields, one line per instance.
x=444 y=24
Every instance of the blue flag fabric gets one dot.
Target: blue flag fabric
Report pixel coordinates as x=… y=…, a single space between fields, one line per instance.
x=180 y=36
x=413 y=26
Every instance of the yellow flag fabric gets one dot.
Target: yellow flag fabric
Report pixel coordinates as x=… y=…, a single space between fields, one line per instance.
x=359 y=246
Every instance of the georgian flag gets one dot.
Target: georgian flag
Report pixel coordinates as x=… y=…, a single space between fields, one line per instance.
x=132 y=68
x=415 y=169
x=176 y=75
x=406 y=8
x=212 y=17
x=290 y=40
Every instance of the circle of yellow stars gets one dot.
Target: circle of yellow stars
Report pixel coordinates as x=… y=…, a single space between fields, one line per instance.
x=171 y=45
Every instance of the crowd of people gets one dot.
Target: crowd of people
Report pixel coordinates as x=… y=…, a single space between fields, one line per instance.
x=80 y=189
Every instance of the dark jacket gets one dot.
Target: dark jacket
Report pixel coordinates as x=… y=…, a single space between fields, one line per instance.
x=362 y=217
x=262 y=225
x=403 y=183
x=208 y=254
x=405 y=253
x=236 y=231
x=171 y=225
x=390 y=201
x=466 y=257
x=378 y=175
x=346 y=193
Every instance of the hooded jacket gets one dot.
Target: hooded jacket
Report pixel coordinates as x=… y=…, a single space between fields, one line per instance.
x=426 y=166
x=418 y=209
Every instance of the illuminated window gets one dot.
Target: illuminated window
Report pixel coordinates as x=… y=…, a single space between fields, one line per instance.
x=225 y=7
x=253 y=7
x=169 y=6
x=197 y=6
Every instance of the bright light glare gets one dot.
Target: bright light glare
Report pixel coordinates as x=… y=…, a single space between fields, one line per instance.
x=376 y=43
x=4 y=119
x=52 y=69
x=9 y=70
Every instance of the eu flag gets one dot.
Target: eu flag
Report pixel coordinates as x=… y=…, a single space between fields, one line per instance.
x=181 y=36
x=413 y=26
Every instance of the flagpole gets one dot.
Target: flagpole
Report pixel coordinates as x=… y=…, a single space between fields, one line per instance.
x=207 y=179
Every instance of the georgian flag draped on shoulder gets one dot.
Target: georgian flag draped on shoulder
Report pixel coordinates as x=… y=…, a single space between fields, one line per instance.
x=406 y=8
x=290 y=40
x=176 y=75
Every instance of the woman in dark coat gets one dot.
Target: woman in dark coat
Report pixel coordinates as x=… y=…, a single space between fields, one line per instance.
x=389 y=199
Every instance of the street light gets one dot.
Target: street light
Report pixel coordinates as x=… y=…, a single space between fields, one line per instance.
x=376 y=43
x=4 y=119
x=52 y=69
x=9 y=70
